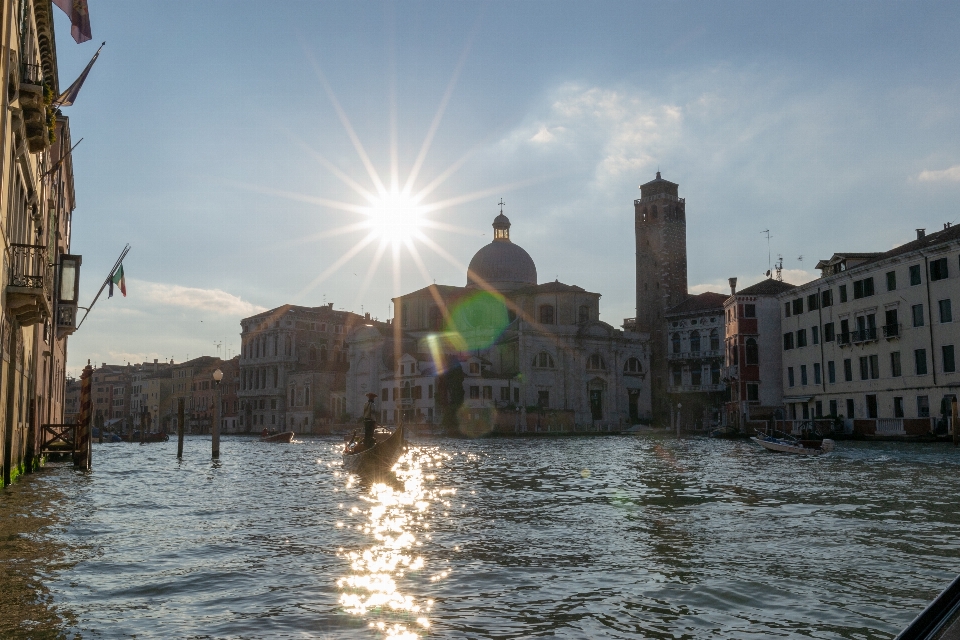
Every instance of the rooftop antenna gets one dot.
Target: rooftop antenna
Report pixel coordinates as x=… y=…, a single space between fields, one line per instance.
x=800 y=258
x=767 y=231
x=779 y=267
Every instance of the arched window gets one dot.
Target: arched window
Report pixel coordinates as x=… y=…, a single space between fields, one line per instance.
x=287 y=346
x=312 y=353
x=632 y=367
x=583 y=314
x=596 y=363
x=546 y=314
x=306 y=396
x=714 y=340
x=436 y=319
x=292 y=396
x=543 y=360
x=695 y=341
x=675 y=339
x=715 y=373
x=323 y=353
x=753 y=355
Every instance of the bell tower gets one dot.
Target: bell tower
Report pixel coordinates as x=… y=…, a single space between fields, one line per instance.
x=661 y=232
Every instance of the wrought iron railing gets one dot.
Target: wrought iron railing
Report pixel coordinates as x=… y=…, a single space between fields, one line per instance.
x=843 y=338
x=687 y=355
x=28 y=266
x=866 y=334
x=891 y=330
x=31 y=73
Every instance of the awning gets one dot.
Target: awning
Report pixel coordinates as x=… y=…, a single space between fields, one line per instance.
x=788 y=399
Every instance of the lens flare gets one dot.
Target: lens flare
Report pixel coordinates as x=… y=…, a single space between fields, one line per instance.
x=479 y=319
x=395 y=218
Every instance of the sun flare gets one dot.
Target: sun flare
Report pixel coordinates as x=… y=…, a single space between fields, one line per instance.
x=395 y=218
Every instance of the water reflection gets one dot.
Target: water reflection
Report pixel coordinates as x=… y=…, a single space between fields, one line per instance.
x=395 y=518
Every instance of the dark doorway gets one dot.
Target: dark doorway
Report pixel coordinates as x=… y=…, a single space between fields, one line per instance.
x=596 y=404
x=872 y=406
x=633 y=399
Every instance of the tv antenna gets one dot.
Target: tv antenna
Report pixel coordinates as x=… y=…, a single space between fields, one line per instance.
x=767 y=231
x=779 y=267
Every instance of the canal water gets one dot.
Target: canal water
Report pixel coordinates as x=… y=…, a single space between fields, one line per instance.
x=615 y=537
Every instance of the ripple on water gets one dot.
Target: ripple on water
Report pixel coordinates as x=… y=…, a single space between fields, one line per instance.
x=648 y=537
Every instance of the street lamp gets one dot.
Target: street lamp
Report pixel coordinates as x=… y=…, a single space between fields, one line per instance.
x=215 y=431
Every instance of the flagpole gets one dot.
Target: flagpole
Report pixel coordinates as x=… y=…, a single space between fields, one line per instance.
x=60 y=161
x=123 y=254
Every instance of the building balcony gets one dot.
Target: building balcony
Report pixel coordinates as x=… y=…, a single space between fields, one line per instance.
x=695 y=355
x=843 y=339
x=868 y=334
x=34 y=105
x=891 y=331
x=696 y=388
x=29 y=287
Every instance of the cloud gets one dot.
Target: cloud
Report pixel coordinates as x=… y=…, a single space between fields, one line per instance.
x=942 y=175
x=793 y=276
x=214 y=300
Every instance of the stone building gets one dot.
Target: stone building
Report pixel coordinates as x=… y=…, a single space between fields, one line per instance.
x=522 y=347
x=753 y=353
x=293 y=365
x=874 y=339
x=661 y=243
x=38 y=310
x=696 y=356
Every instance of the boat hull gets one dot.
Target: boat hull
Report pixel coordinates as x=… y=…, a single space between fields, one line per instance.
x=380 y=457
x=286 y=436
x=783 y=446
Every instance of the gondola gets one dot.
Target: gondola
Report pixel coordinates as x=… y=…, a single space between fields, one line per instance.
x=380 y=457
x=940 y=620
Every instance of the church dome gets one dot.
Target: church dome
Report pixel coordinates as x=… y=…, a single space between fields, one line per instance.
x=502 y=264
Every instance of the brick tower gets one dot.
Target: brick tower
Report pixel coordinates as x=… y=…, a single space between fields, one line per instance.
x=661 y=228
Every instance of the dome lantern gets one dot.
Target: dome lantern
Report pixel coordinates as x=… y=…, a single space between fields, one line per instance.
x=501 y=226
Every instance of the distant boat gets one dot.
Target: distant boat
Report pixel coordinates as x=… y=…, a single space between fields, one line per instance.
x=285 y=436
x=727 y=432
x=792 y=445
x=379 y=457
x=157 y=436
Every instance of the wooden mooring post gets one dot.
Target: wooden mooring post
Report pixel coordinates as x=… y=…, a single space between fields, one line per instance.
x=180 y=428
x=956 y=431
x=82 y=442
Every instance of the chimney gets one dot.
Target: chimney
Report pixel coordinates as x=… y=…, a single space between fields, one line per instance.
x=155 y=361
x=330 y=304
x=733 y=286
x=921 y=233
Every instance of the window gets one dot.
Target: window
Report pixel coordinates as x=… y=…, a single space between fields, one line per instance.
x=677 y=376
x=828 y=332
x=920 y=362
x=487 y=392
x=918 y=315
x=843 y=293
x=632 y=367
x=895 y=364
x=946 y=313
x=848 y=370
x=815 y=334
x=871 y=406
x=546 y=314
x=787 y=341
x=816 y=373
x=596 y=362
x=813 y=301
x=475 y=368
x=752 y=352
x=850 y=408
x=891 y=280
x=938 y=269
x=923 y=406
x=505 y=394
x=418 y=392
x=435 y=319
x=874 y=367
x=405 y=314
x=543 y=399
x=790 y=376
x=715 y=373
x=786 y=309
x=714 y=340
x=474 y=392
x=583 y=314
x=864 y=373
x=749 y=311
x=897 y=407
x=803 y=375
x=516 y=395
x=695 y=341
x=862 y=288
x=891 y=328
x=798 y=306
x=948 y=363
x=914 y=275
x=818 y=409
x=430 y=391
x=831 y=372
x=696 y=376
x=833 y=407
x=675 y=339
x=753 y=392
x=543 y=360
x=826 y=298
x=801 y=338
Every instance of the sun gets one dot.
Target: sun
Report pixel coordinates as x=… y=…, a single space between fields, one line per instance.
x=395 y=218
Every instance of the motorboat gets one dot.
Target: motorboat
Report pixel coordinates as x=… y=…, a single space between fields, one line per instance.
x=275 y=436
x=789 y=444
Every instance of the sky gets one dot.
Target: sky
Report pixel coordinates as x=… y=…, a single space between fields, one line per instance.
x=242 y=148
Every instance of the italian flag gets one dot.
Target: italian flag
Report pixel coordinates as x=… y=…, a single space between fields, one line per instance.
x=119 y=280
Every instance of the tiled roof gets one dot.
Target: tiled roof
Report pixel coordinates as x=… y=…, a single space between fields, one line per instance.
x=929 y=240
x=768 y=287
x=549 y=287
x=443 y=289
x=700 y=302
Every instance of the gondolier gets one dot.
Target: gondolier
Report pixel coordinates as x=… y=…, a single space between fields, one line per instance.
x=369 y=421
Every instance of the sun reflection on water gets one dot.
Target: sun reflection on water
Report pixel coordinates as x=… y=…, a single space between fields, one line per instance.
x=396 y=517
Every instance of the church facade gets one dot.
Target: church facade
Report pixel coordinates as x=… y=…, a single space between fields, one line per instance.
x=527 y=354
